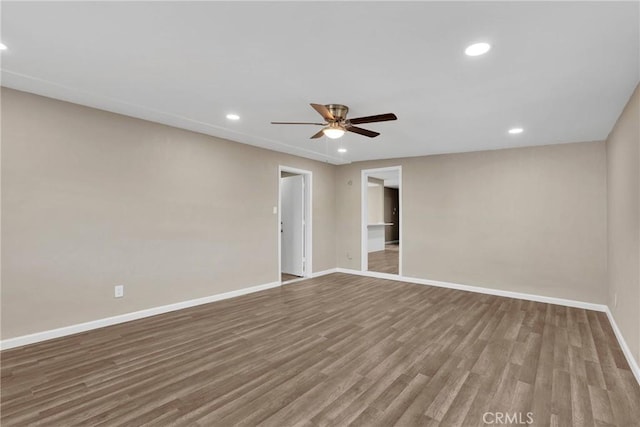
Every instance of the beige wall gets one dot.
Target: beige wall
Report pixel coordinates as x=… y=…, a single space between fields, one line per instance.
x=623 y=157
x=92 y=199
x=375 y=201
x=527 y=220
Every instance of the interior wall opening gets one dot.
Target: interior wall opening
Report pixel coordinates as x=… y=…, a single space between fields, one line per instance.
x=381 y=220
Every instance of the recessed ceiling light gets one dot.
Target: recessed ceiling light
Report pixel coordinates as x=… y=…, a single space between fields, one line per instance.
x=233 y=117
x=342 y=150
x=477 y=49
x=3 y=46
x=515 y=131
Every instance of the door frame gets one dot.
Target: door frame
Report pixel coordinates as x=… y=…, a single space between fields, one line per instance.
x=364 y=215
x=307 y=215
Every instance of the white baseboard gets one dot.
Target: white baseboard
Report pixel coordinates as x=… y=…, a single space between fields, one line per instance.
x=478 y=289
x=633 y=363
x=100 y=323
x=324 y=272
x=108 y=321
x=312 y=276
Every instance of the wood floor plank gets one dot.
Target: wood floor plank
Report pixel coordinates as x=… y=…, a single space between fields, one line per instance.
x=403 y=401
x=600 y=405
x=560 y=405
x=581 y=407
x=459 y=407
x=330 y=351
x=543 y=384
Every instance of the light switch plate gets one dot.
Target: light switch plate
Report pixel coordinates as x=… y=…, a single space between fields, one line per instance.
x=118 y=291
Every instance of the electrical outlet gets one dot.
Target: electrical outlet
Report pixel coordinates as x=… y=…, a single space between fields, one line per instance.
x=118 y=291
x=275 y=210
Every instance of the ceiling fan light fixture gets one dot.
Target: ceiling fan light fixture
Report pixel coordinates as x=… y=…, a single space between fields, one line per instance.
x=333 y=131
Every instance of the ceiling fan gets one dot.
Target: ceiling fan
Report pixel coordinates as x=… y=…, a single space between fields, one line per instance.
x=337 y=123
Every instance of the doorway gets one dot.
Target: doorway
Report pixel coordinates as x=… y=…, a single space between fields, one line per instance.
x=381 y=247
x=294 y=223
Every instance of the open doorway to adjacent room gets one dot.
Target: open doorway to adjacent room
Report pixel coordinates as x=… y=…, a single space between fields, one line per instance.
x=381 y=220
x=294 y=224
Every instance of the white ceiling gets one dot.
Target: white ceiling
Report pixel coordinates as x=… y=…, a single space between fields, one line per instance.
x=561 y=70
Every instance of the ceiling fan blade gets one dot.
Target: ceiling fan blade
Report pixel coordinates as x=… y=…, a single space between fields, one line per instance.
x=365 y=132
x=297 y=123
x=372 y=119
x=324 y=112
x=319 y=134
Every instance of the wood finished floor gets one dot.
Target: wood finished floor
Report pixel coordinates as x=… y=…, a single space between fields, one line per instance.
x=334 y=350
x=385 y=261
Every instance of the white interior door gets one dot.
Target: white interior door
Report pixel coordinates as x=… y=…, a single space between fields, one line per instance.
x=292 y=224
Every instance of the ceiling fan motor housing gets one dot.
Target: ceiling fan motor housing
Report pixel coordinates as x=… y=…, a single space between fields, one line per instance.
x=339 y=111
